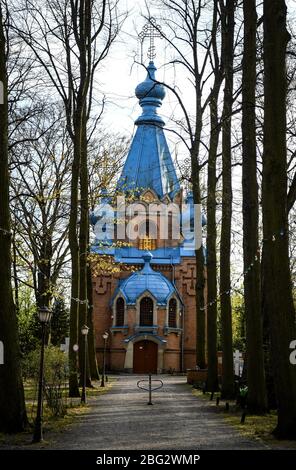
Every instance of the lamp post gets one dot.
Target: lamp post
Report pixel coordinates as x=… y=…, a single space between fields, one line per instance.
x=84 y=332
x=44 y=315
x=105 y=337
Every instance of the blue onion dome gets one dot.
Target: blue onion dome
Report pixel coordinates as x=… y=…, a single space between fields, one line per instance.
x=189 y=213
x=149 y=88
x=103 y=209
x=150 y=95
x=147 y=280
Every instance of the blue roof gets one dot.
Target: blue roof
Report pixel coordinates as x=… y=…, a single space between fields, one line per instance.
x=149 y=163
x=146 y=280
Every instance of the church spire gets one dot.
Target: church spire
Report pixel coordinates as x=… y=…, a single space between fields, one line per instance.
x=149 y=164
x=150 y=93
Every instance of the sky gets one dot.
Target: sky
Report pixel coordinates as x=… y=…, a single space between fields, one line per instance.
x=122 y=73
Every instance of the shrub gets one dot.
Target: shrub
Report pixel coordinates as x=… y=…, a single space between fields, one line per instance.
x=55 y=376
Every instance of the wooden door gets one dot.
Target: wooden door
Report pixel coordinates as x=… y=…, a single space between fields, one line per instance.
x=145 y=357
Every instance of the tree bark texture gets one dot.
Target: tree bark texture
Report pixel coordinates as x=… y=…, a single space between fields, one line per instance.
x=212 y=376
x=255 y=372
x=277 y=301
x=225 y=245
x=12 y=403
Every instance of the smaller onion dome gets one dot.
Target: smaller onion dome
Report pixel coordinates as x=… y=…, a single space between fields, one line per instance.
x=102 y=220
x=147 y=280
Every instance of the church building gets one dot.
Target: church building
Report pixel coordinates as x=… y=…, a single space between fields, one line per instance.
x=147 y=306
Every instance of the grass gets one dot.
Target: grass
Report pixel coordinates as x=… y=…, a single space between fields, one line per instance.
x=254 y=427
x=74 y=409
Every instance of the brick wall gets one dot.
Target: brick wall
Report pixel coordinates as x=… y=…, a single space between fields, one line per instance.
x=103 y=290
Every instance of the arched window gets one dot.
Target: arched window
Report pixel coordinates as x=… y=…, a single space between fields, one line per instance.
x=173 y=313
x=120 y=312
x=146 y=312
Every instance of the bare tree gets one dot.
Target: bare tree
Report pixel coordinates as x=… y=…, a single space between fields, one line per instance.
x=190 y=40
x=12 y=403
x=277 y=300
x=227 y=12
x=212 y=378
x=255 y=370
x=39 y=202
x=83 y=31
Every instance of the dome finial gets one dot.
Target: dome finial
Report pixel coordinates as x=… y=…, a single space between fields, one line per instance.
x=147 y=257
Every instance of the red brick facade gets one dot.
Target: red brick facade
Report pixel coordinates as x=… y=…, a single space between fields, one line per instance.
x=179 y=351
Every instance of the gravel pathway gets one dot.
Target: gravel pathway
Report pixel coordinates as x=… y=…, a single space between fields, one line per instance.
x=122 y=420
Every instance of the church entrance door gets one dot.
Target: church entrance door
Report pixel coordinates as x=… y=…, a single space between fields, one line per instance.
x=145 y=357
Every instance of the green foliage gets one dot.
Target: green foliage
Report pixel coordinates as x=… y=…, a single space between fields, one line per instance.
x=27 y=319
x=29 y=325
x=55 y=376
x=60 y=323
x=219 y=343
x=55 y=365
x=238 y=322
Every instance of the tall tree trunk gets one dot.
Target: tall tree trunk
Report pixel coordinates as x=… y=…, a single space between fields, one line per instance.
x=93 y=365
x=15 y=278
x=12 y=403
x=212 y=377
x=199 y=257
x=74 y=250
x=81 y=13
x=225 y=245
x=277 y=301
x=83 y=250
x=44 y=292
x=186 y=17
x=255 y=370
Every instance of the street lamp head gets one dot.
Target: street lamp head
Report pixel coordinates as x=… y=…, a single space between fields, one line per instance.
x=84 y=330
x=105 y=335
x=44 y=314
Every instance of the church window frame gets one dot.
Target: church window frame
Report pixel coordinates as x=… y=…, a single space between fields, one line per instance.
x=177 y=323
x=172 y=313
x=146 y=311
x=146 y=294
x=119 y=312
x=114 y=319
